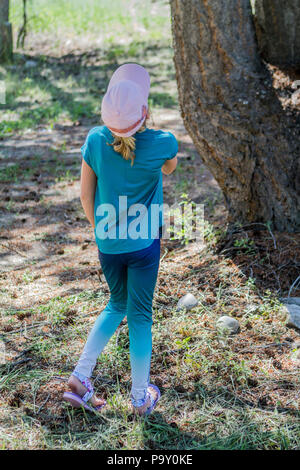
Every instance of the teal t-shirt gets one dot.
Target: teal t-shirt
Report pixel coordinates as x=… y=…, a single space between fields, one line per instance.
x=128 y=199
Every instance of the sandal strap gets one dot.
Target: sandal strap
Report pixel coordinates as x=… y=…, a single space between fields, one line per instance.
x=87 y=396
x=152 y=399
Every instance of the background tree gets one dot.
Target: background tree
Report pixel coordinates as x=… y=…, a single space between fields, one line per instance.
x=278 y=31
x=5 y=32
x=22 y=33
x=232 y=114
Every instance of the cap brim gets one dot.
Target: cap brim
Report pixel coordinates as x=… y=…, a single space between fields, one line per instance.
x=130 y=133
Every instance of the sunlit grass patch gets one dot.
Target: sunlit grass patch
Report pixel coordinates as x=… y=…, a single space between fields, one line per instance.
x=34 y=103
x=106 y=19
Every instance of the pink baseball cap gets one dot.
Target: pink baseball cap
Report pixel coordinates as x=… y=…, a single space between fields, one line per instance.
x=125 y=103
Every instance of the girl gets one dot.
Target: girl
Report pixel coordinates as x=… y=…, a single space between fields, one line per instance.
x=121 y=176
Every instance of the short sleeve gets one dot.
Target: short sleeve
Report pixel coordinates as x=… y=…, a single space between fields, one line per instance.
x=93 y=149
x=173 y=147
x=86 y=152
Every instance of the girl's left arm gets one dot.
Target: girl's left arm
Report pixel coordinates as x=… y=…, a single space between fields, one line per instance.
x=88 y=184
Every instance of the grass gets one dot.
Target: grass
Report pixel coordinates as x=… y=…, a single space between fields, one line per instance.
x=33 y=101
x=107 y=19
x=218 y=392
x=206 y=386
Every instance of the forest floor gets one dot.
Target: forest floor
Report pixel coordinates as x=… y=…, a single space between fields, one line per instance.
x=218 y=392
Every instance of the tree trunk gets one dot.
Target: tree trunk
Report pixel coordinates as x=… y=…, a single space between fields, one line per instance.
x=232 y=114
x=278 y=31
x=5 y=32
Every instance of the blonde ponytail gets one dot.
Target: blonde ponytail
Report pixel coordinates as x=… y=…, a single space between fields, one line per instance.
x=126 y=145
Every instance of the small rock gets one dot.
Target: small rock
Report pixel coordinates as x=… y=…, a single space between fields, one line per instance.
x=188 y=301
x=46 y=73
x=30 y=64
x=294 y=316
x=291 y=313
x=11 y=67
x=228 y=325
x=290 y=300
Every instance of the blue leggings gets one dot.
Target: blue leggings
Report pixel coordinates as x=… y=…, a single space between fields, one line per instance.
x=131 y=278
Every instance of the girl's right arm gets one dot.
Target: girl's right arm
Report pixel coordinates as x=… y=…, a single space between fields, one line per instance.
x=88 y=184
x=169 y=166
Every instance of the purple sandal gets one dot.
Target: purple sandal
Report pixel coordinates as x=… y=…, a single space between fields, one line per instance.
x=152 y=400
x=77 y=402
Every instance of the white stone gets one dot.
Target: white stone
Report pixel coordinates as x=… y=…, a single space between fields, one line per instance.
x=293 y=315
x=290 y=300
x=228 y=325
x=29 y=64
x=188 y=301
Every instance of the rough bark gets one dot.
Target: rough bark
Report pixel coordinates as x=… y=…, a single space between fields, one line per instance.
x=5 y=32
x=232 y=114
x=278 y=31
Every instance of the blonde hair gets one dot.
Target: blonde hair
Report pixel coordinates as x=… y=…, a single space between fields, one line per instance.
x=126 y=145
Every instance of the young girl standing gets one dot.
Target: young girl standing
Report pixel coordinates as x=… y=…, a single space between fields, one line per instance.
x=121 y=182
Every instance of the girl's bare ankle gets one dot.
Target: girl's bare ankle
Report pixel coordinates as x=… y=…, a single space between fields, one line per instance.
x=76 y=386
